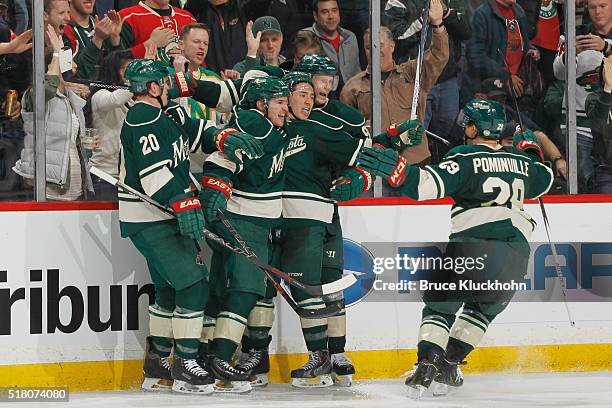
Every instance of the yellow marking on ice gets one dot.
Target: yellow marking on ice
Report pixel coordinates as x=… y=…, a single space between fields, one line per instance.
x=127 y=374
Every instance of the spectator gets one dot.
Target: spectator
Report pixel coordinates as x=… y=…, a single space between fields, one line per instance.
x=549 y=149
x=590 y=50
x=153 y=22
x=496 y=89
x=80 y=29
x=109 y=109
x=20 y=44
x=398 y=81
x=193 y=44
x=289 y=16
x=227 y=20
x=305 y=42
x=499 y=32
x=355 y=17
x=89 y=58
x=13 y=76
x=339 y=44
x=545 y=34
x=600 y=36
x=57 y=13
x=264 y=43
x=404 y=20
x=599 y=111
x=67 y=173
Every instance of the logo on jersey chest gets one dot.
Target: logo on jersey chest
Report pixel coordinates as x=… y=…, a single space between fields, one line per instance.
x=548 y=9
x=180 y=151
x=296 y=145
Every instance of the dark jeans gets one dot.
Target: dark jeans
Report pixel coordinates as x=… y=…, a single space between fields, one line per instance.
x=586 y=165
x=103 y=191
x=356 y=21
x=442 y=107
x=603 y=180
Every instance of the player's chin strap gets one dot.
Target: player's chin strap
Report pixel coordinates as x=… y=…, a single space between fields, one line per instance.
x=553 y=247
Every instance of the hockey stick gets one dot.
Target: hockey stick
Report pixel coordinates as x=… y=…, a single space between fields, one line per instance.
x=306 y=313
x=420 y=59
x=315 y=290
x=439 y=138
x=553 y=247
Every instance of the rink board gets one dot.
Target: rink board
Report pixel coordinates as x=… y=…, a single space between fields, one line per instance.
x=73 y=299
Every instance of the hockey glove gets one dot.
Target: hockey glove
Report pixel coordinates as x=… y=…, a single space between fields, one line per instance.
x=527 y=142
x=401 y=135
x=233 y=143
x=189 y=215
x=181 y=85
x=350 y=184
x=214 y=195
x=385 y=163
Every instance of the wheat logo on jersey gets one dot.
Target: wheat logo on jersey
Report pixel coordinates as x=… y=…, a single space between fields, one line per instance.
x=358 y=260
x=278 y=162
x=180 y=150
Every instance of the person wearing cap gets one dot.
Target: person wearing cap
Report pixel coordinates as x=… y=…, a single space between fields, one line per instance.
x=264 y=40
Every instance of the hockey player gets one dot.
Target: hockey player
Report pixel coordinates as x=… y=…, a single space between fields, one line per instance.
x=488 y=183
x=307 y=211
x=154 y=160
x=333 y=113
x=330 y=116
x=252 y=193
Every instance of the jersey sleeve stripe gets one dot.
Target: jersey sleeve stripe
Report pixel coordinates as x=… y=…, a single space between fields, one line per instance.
x=356 y=153
x=428 y=186
x=197 y=142
x=552 y=178
x=438 y=180
x=153 y=168
x=221 y=160
x=228 y=96
x=155 y=181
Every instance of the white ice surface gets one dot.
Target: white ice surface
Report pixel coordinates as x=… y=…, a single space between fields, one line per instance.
x=559 y=390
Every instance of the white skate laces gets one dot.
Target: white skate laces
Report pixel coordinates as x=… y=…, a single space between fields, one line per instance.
x=165 y=363
x=313 y=361
x=193 y=367
x=341 y=360
x=253 y=360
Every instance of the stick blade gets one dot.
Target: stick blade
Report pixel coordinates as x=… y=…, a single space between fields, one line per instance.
x=339 y=285
x=327 y=311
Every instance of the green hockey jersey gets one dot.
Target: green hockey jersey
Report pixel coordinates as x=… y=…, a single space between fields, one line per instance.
x=488 y=185
x=313 y=154
x=257 y=185
x=339 y=116
x=154 y=159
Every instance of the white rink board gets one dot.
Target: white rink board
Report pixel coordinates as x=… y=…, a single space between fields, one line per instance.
x=86 y=248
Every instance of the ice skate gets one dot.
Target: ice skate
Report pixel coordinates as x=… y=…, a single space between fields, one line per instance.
x=342 y=369
x=231 y=380
x=157 y=371
x=257 y=364
x=449 y=375
x=190 y=377
x=316 y=373
x=420 y=378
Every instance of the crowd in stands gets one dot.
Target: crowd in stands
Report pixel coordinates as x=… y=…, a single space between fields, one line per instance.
x=512 y=51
